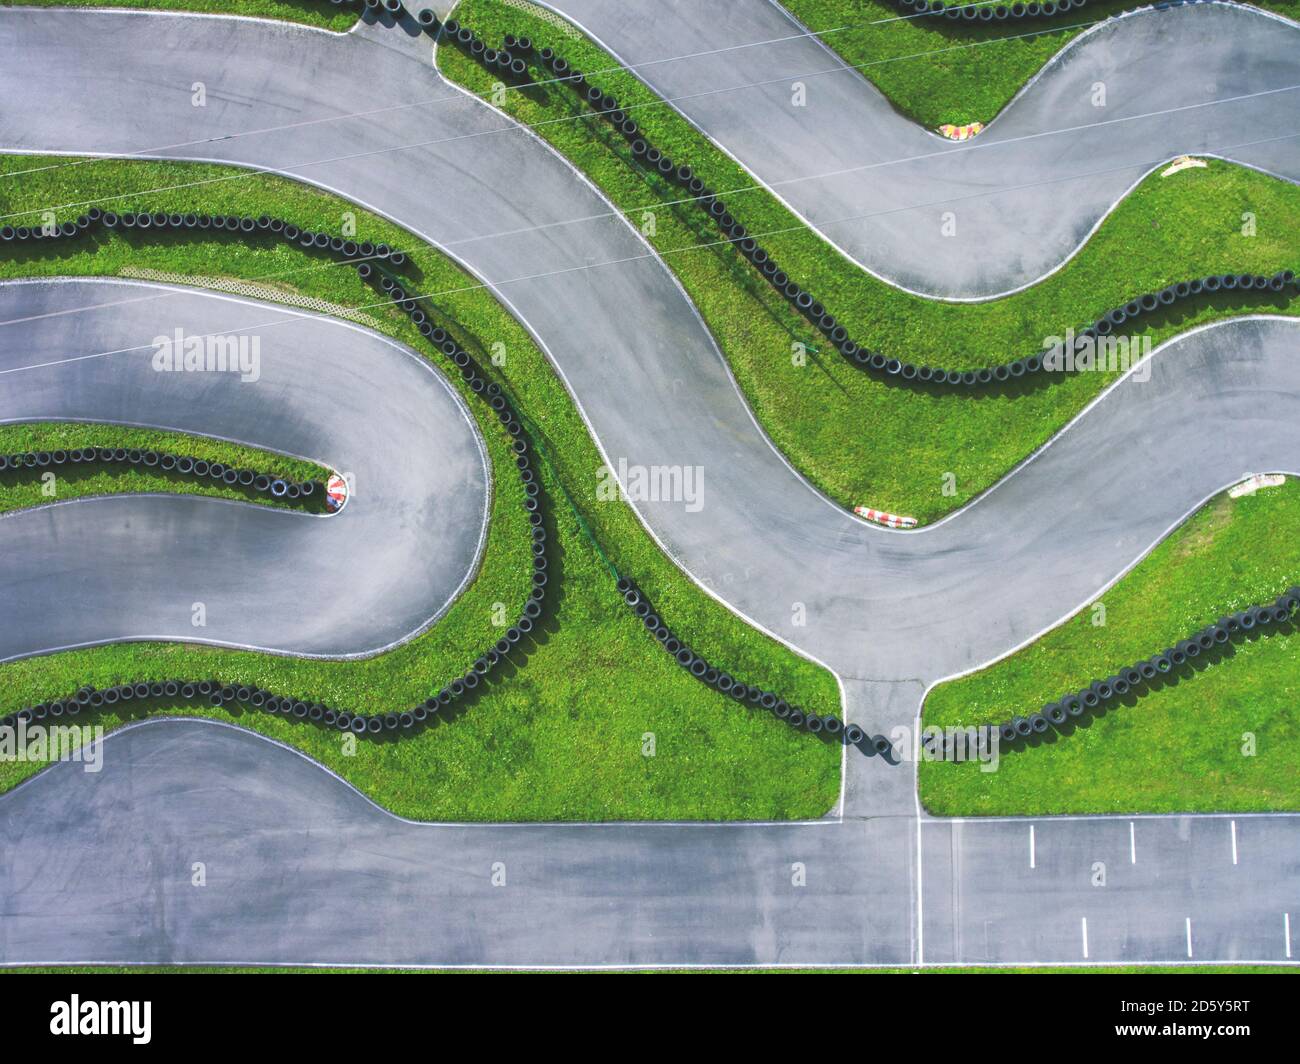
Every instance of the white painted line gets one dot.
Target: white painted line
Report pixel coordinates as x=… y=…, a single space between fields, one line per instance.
x=1234 y=842
x=1132 y=844
x=1286 y=932
x=1189 y=936
x=1085 y=938
x=1032 y=864
x=916 y=801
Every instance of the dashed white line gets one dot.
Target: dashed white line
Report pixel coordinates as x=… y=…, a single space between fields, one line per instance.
x=1234 y=842
x=1286 y=933
x=1132 y=844
x=1032 y=862
x=1189 y=937
x=1085 y=937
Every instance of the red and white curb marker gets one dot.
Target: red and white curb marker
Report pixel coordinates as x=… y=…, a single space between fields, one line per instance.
x=1183 y=162
x=882 y=517
x=965 y=132
x=1254 y=482
x=336 y=492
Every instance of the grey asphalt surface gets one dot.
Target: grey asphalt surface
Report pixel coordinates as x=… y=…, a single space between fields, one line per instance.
x=890 y=612
x=299 y=867
x=1027 y=191
x=132 y=567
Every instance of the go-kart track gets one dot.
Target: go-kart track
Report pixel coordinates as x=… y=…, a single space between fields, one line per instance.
x=83 y=351
x=314 y=873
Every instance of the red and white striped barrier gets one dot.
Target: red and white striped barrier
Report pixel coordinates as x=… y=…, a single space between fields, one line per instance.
x=336 y=492
x=882 y=517
x=965 y=132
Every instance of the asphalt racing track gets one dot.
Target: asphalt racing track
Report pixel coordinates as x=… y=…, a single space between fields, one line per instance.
x=1052 y=164
x=118 y=567
x=291 y=849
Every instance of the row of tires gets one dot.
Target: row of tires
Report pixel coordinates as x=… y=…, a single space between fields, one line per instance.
x=633 y=598
x=214 y=692
x=161 y=221
x=1269 y=617
x=803 y=301
x=987 y=12
x=393 y=7
x=508 y=60
x=426 y=18
x=636 y=600
x=999 y=12
x=490 y=392
x=267 y=483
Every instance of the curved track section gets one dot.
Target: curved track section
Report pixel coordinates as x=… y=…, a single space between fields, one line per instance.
x=645 y=371
x=1206 y=79
x=132 y=567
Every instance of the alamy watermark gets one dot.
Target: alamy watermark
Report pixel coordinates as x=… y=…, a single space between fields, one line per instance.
x=953 y=742
x=209 y=353
x=45 y=744
x=120 y=1018
x=1085 y=353
x=655 y=483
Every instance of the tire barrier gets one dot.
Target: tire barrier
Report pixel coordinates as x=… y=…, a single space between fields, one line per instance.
x=1269 y=617
x=282 y=489
x=631 y=595
x=508 y=61
x=426 y=18
x=639 y=603
x=343 y=248
x=301 y=709
x=1002 y=12
x=306 y=711
x=993 y=12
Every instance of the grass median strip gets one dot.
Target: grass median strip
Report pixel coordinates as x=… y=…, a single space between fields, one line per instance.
x=568 y=730
x=893 y=447
x=938 y=71
x=20 y=488
x=1218 y=735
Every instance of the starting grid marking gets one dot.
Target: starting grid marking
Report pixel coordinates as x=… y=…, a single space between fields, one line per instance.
x=1095 y=855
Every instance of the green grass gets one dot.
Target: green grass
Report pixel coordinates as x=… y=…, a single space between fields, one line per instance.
x=558 y=737
x=23 y=488
x=1176 y=749
x=319 y=13
x=858 y=439
x=942 y=71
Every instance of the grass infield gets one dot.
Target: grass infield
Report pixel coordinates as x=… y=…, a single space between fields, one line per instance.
x=1220 y=737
